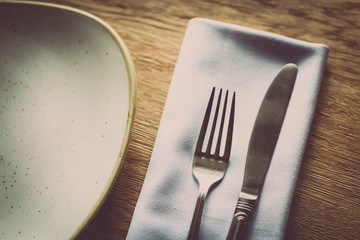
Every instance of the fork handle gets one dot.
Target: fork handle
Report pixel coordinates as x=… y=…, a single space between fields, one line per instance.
x=196 y=219
x=241 y=218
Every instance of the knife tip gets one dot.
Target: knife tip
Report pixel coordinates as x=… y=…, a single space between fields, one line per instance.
x=291 y=66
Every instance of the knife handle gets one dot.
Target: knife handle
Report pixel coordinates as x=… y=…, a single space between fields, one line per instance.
x=241 y=218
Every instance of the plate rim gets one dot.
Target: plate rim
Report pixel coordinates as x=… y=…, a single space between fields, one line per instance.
x=130 y=67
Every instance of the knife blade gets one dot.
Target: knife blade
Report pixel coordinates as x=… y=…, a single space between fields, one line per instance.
x=262 y=143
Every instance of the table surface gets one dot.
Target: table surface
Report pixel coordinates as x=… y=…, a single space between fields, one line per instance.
x=326 y=202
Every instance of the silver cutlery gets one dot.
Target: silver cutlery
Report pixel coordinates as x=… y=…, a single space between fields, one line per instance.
x=209 y=166
x=261 y=147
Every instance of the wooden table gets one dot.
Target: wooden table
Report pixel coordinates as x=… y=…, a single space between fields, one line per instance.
x=326 y=202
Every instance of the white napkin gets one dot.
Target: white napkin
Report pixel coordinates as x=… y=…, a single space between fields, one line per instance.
x=246 y=61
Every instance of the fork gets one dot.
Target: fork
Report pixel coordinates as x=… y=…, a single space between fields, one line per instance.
x=209 y=166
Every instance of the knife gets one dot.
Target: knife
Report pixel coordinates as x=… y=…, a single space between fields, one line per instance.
x=262 y=143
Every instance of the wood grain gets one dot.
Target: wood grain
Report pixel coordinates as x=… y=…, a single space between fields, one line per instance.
x=326 y=203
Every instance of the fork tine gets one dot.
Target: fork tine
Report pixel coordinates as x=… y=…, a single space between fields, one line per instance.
x=211 y=138
x=218 y=144
x=230 y=130
x=205 y=123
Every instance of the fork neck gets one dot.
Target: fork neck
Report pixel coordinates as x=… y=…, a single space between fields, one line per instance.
x=204 y=189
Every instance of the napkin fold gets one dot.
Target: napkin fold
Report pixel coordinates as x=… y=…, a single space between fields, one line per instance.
x=244 y=60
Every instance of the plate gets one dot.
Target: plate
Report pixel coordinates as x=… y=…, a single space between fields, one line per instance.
x=67 y=102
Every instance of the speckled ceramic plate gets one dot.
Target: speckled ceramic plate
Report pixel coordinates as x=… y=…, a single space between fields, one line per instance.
x=67 y=99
